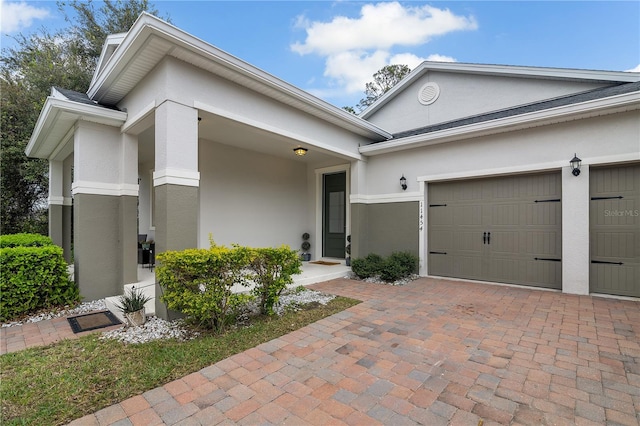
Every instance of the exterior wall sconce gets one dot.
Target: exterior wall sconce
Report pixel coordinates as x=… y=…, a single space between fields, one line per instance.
x=403 y=183
x=575 y=165
x=300 y=151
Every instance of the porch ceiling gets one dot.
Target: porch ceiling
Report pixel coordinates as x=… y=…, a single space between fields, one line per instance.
x=229 y=132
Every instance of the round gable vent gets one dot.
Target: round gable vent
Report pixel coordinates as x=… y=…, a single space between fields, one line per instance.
x=428 y=93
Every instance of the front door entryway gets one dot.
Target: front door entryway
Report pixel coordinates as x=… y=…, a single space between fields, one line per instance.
x=334 y=214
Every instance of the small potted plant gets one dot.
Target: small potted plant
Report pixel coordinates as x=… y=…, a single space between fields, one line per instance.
x=306 y=245
x=132 y=306
x=347 y=250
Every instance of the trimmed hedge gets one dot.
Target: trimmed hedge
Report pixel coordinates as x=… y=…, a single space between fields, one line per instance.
x=200 y=282
x=398 y=265
x=24 y=240
x=272 y=270
x=33 y=278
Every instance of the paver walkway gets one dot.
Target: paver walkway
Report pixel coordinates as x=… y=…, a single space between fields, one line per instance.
x=434 y=352
x=40 y=333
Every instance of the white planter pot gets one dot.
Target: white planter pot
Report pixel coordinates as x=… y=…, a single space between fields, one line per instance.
x=136 y=318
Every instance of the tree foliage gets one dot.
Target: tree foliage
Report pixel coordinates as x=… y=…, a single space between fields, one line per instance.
x=27 y=72
x=383 y=80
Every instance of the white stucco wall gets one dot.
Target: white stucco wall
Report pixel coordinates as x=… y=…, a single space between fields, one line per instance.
x=250 y=198
x=97 y=154
x=600 y=140
x=192 y=86
x=464 y=95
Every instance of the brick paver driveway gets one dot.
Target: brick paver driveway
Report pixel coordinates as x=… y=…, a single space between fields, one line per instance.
x=433 y=352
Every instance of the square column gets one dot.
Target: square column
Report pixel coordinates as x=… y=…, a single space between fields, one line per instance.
x=575 y=231
x=56 y=201
x=176 y=182
x=105 y=210
x=60 y=206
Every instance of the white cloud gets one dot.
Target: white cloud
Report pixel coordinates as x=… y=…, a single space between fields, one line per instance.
x=636 y=69
x=15 y=17
x=355 y=48
x=380 y=26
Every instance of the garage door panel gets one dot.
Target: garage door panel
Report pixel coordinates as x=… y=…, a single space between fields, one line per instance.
x=441 y=264
x=506 y=214
x=468 y=266
x=544 y=213
x=542 y=243
x=615 y=246
x=466 y=215
x=614 y=216
x=467 y=241
x=621 y=280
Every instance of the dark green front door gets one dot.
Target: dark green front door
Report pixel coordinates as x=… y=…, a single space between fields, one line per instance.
x=334 y=215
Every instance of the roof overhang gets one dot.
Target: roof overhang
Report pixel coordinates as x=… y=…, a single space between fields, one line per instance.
x=150 y=40
x=566 y=74
x=52 y=137
x=604 y=106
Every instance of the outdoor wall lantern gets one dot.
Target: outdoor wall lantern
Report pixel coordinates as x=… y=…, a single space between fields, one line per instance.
x=403 y=183
x=575 y=165
x=300 y=151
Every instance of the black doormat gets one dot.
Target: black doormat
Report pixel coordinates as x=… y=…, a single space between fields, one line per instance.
x=92 y=321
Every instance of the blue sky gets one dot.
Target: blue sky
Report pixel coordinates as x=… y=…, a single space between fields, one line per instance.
x=332 y=48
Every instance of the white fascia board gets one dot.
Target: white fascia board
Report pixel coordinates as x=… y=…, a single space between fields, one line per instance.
x=111 y=43
x=385 y=198
x=504 y=70
x=610 y=105
x=148 y=25
x=41 y=145
x=101 y=188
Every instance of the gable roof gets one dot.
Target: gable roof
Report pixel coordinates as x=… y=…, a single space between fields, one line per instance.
x=567 y=74
x=595 y=94
x=151 y=39
x=602 y=101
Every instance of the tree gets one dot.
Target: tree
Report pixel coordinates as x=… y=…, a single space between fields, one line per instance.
x=93 y=26
x=27 y=72
x=383 y=80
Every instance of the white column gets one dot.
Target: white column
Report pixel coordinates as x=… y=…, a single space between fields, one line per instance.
x=176 y=143
x=56 y=180
x=575 y=231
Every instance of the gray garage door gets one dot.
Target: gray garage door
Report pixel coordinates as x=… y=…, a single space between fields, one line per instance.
x=505 y=229
x=615 y=230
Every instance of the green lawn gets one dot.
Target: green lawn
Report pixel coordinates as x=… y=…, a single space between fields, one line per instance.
x=58 y=383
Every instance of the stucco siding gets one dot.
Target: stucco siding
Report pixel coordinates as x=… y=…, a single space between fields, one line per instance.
x=223 y=97
x=464 y=95
x=250 y=198
x=384 y=228
x=597 y=140
x=104 y=235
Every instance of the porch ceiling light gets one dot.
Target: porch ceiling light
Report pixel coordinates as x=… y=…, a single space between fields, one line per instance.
x=300 y=151
x=575 y=165
x=403 y=183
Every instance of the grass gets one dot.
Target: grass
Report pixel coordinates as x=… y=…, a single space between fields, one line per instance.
x=61 y=382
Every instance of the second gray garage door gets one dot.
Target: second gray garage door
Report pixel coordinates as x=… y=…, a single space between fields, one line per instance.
x=615 y=230
x=505 y=229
